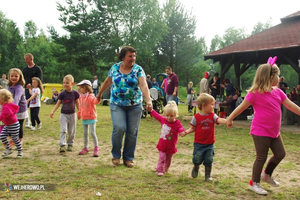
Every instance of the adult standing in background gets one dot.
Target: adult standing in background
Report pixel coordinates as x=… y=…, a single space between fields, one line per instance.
x=283 y=85
x=230 y=92
x=128 y=81
x=172 y=87
x=148 y=80
x=3 y=82
x=215 y=85
x=190 y=96
x=204 y=85
x=164 y=86
x=154 y=83
x=96 y=85
x=30 y=71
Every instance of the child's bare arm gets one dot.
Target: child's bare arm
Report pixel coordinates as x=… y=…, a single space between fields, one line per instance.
x=222 y=121
x=33 y=96
x=55 y=108
x=190 y=130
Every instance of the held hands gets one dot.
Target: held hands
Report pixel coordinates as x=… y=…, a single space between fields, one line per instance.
x=183 y=133
x=149 y=106
x=229 y=123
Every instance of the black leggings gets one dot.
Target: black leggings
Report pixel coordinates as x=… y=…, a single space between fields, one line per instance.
x=34 y=115
x=21 y=128
x=262 y=145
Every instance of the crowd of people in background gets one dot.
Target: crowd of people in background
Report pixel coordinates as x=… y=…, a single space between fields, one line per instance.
x=130 y=88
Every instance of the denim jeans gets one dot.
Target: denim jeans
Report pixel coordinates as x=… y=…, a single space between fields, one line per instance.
x=126 y=120
x=203 y=153
x=95 y=91
x=171 y=98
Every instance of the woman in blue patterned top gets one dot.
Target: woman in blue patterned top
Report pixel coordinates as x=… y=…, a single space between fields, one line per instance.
x=128 y=85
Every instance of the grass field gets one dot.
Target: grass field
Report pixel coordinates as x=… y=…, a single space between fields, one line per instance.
x=81 y=177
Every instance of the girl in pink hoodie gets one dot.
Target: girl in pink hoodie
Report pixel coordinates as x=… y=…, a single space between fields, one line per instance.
x=11 y=124
x=87 y=112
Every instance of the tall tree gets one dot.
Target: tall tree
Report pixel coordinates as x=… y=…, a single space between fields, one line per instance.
x=181 y=32
x=88 y=28
x=11 y=44
x=137 y=23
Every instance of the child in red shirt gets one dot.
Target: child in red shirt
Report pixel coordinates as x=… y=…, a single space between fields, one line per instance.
x=203 y=126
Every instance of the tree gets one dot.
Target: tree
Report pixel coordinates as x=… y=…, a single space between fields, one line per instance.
x=11 y=46
x=88 y=28
x=179 y=49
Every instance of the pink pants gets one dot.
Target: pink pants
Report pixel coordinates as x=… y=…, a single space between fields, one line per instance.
x=164 y=162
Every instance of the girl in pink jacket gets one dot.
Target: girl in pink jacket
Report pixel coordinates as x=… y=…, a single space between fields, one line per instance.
x=11 y=124
x=87 y=112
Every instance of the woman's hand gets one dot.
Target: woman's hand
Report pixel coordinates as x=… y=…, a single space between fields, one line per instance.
x=149 y=106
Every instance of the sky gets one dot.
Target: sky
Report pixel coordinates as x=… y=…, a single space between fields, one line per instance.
x=213 y=16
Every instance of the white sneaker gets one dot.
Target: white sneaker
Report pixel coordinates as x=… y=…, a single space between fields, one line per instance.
x=255 y=187
x=20 y=154
x=27 y=125
x=39 y=126
x=268 y=179
x=32 y=128
x=6 y=152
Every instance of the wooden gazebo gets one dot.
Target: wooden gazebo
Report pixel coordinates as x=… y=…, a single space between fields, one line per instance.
x=282 y=40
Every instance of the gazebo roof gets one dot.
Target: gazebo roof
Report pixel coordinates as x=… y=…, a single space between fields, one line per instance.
x=271 y=42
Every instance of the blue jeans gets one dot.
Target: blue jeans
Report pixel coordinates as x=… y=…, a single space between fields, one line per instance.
x=171 y=98
x=95 y=91
x=126 y=119
x=203 y=153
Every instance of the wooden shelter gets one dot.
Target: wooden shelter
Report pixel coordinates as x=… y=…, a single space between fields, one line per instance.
x=282 y=40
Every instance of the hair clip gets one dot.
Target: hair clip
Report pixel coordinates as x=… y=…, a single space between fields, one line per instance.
x=272 y=61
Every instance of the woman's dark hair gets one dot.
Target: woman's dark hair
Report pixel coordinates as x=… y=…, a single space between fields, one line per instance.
x=124 y=50
x=226 y=80
x=216 y=74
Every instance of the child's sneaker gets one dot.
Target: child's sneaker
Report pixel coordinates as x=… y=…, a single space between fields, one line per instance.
x=62 y=149
x=6 y=152
x=83 y=151
x=32 y=128
x=96 y=152
x=70 y=148
x=268 y=179
x=20 y=154
x=39 y=126
x=255 y=187
x=195 y=171
x=160 y=174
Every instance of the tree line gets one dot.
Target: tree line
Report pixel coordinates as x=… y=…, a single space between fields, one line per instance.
x=97 y=29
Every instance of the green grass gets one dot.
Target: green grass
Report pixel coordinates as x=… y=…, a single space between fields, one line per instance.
x=81 y=177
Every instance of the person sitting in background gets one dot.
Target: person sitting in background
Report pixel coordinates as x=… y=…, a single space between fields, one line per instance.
x=294 y=96
x=55 y=96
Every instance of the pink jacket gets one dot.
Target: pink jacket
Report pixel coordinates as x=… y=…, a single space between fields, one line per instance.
x=87 y=109
x=8 y=114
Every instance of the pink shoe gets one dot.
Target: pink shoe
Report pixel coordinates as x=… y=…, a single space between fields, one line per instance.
x=83 y=151
x=160 y=174
x=96 y=152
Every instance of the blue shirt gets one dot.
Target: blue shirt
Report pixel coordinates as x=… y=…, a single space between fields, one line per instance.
x=125 y=89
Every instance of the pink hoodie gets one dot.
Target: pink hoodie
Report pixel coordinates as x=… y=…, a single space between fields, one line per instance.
x=87 y=109
x=8 y=114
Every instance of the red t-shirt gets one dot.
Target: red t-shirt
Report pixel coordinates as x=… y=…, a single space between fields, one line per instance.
x=205 y=129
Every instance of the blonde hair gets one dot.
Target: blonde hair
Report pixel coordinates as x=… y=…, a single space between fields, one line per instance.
x=40 y=84
x=69 y=77
x=263 y=77
x=171 y=107
x=204 y=99
x=21 y=77
x=6 y=95
x=190 y=84
x=87 y=87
